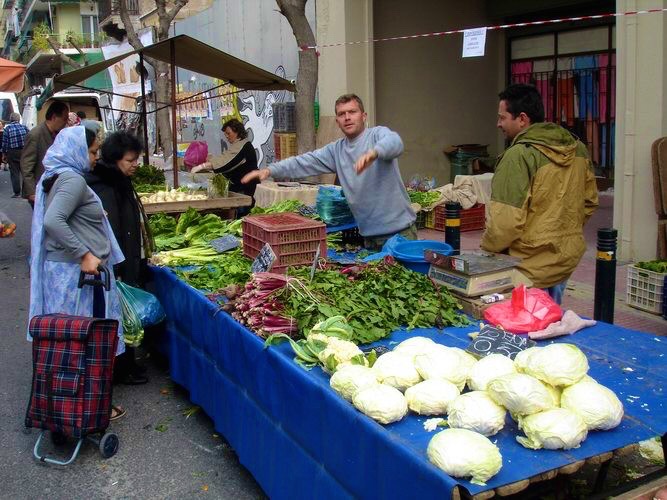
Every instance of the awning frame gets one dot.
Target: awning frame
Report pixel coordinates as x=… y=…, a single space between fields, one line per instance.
x=187 y=53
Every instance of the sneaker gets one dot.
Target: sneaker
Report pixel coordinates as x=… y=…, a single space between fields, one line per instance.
x=16 y=196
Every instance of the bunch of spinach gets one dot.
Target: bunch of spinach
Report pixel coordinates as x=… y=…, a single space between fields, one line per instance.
x=375 y=299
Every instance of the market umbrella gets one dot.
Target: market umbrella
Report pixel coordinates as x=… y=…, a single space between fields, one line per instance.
x=11 y=76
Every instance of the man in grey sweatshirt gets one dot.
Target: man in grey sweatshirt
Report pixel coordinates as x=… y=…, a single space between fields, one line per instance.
x=366 y=164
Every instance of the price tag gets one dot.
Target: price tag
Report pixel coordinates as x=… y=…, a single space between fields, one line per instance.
x=264 y=261
x=225 y=243
x=496 y=341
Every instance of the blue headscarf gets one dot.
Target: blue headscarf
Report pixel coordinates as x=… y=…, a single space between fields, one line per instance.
x=69 y=152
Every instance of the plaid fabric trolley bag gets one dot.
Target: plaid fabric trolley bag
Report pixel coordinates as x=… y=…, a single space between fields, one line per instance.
x=72 y=377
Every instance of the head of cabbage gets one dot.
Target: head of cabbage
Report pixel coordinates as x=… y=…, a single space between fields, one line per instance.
x=350 y=379
x=521 y=394
x=477 y=412
x=431 y=397
x=382 y=403
x=464 y=453
x=556 y=364
x=415 y=346
x=443 y=362
x=596 y=404
x=553 y=429
x=397 y=370
x=488 y=368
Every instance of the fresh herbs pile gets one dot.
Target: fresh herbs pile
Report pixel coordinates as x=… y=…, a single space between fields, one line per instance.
x=424 y=198
x=148 y=174
x=657 y=266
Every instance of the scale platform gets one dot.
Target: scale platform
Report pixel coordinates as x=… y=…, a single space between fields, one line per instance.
x=474 y=274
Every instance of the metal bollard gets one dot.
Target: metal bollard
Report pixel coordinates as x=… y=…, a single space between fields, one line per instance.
x=605 y=275
x=453 y=226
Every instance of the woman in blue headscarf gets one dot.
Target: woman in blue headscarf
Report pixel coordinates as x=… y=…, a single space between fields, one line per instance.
x=71 y=233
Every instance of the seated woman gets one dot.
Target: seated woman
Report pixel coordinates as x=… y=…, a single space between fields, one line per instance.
x=239 y=159
x=111 y=181
x=70 y=234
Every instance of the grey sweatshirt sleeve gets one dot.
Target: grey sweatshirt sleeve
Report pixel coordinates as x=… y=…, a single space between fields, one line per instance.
x=320 y=161
x=68 y=193
x=388 y=143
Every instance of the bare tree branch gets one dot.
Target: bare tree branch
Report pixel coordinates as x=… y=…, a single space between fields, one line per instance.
x=63 y=57
x=132 y=36
x=72 y=42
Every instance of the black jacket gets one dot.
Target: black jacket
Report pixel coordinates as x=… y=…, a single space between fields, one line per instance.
x=235 y=175
x=124 y=211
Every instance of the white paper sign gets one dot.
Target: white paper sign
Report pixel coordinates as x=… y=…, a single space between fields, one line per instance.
x=474 y=41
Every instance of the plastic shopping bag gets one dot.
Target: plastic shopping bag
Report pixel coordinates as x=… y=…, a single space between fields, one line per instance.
x=529 y=310
x=7 y=226
x=145 y=305
x=196 y=154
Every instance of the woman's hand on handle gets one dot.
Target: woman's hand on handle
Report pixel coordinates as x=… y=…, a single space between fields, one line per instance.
x=259 y=175
x=89 y=264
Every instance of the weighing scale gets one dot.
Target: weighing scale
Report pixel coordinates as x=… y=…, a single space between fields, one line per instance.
x=474 y=274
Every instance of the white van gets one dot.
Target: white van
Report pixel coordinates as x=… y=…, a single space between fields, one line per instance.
x=8 y=105
x=94 y=104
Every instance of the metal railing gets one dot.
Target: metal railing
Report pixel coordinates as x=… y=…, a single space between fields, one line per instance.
x=108 y=8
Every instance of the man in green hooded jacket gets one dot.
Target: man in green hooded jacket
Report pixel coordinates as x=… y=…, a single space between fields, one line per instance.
x=543 y=192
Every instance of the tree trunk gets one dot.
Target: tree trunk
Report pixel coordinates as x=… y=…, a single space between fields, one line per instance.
x=162 y=74
x=306 y=81
x=163 y=117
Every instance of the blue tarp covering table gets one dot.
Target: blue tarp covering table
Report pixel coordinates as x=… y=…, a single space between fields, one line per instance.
x=299 y=439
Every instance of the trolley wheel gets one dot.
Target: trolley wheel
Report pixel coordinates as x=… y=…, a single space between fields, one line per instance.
x=109 y=445
x=58 y=439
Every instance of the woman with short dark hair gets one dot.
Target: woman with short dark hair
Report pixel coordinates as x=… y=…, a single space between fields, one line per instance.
x=111 y=181
x=236 y=161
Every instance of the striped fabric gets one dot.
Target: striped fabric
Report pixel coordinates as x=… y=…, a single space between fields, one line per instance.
x=72 y=371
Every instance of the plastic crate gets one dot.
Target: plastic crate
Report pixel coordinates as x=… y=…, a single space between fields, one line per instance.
x=420 y=222
x=472 y=219
x=276 y=146
x=290 y=117
x=645 y=289
x=429 y=219
x=278 y=117
x=290 y=146
x=293 y=238
x=352 y=237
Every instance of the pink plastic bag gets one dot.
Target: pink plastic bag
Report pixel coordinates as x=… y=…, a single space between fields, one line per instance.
x=529 y=310
x=196 y=154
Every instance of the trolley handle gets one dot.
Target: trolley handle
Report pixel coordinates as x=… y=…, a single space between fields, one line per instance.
x=104 y=278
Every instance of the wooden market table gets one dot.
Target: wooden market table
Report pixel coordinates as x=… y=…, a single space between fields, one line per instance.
x=224 y=206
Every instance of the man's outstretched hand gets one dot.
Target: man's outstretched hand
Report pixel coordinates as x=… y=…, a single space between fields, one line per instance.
x=258 y=175
x=365 y=160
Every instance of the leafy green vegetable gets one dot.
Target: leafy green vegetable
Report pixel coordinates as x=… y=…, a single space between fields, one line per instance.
x=424 y=198
x=281 y=206
x=188 y=218
x=379 y=299
x=148 y=174
x=221 y=185
x=657 y=266
x=227 y=269
x=162 y=224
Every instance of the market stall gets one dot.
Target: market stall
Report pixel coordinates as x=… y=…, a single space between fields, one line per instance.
x=270 y=192
x=301 y=440
x=229 y=203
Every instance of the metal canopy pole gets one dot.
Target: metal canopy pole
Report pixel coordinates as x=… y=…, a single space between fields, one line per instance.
x=174 y=159
x=144 y=121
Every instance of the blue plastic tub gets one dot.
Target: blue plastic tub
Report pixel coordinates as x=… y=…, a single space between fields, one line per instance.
x=411 y=253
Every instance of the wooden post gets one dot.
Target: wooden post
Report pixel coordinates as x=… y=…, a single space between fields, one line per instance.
x=144 y=121
x=173 y=112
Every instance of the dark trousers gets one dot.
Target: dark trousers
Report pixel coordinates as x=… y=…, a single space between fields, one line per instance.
x=14 y=160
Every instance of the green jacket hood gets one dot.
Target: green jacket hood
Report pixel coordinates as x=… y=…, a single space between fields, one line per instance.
x=552 y=140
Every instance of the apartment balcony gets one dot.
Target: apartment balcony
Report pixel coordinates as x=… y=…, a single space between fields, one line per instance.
x=39 y=59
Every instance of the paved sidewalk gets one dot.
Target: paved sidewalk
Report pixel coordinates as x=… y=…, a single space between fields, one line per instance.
x=580 y=292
